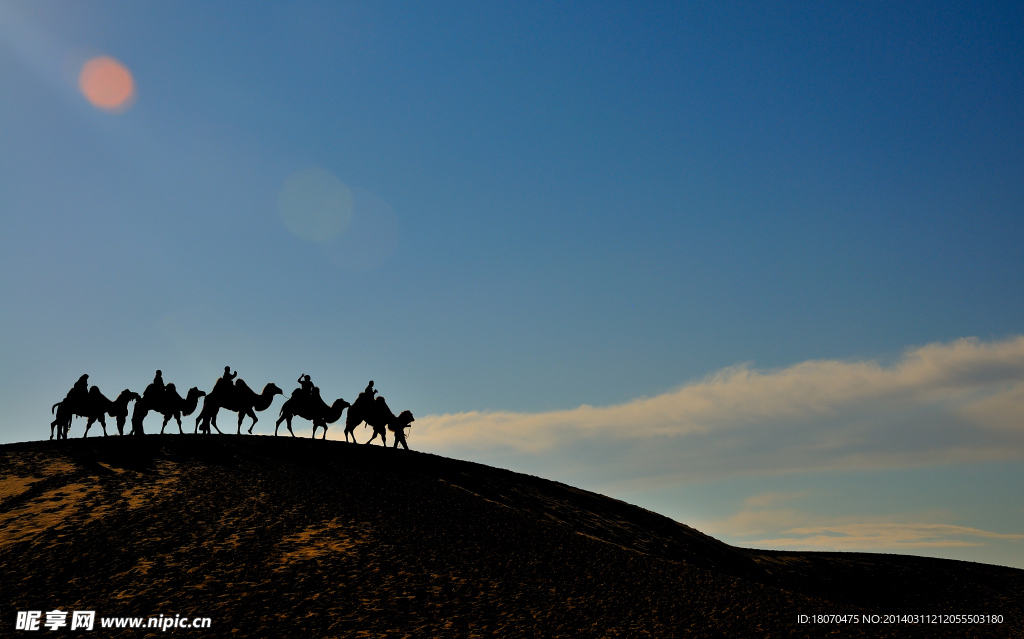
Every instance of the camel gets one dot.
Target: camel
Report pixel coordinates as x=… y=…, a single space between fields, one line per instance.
x=93 y=408
x=313 y=408
x=169 y=404
x=237 y=397
x=376 y=413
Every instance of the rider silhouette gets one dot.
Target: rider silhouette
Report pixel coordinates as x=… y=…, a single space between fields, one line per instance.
x=307 y=385
x=80 y=390
x=226 y=382
x=370 y=390
x=156 y=389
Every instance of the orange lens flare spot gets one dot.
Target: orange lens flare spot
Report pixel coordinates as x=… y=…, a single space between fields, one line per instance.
x=107 y=84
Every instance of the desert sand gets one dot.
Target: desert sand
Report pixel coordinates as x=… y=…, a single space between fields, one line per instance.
x=292 y=537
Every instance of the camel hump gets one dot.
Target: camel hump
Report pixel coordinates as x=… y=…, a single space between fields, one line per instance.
x=240 y=385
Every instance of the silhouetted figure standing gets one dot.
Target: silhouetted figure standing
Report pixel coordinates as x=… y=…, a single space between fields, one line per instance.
x=398 y=426
x=76 y=398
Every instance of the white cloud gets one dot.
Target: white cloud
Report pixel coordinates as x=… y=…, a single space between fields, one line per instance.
x=941 y=403
x=887 y=535
x=773 y=521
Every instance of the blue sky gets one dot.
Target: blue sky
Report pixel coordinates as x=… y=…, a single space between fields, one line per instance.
x=545 y=207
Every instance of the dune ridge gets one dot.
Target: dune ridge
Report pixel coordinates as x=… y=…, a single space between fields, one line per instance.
x=320 y=538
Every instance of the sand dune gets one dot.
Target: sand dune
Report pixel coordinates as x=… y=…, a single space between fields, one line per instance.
x=292 y=537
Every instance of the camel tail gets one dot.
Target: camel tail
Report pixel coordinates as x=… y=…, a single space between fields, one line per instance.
x=54 y=407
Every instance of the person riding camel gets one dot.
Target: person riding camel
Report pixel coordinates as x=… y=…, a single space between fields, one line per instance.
x=307 y=384
x=370 y=391
x=156 y=389
x=80 y=391
x=226 y=382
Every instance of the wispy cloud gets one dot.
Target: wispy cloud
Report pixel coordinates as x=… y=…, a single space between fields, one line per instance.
x=877 y=536
x=773 y=520
x=940 y=403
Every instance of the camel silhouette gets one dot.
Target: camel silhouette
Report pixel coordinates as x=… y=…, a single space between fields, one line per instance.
x=237 y=397
x=376 y=413
x=93 y=407
x=310 y=406
x=169 y=404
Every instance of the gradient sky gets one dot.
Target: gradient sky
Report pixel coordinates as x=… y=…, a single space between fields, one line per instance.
x=757 y=268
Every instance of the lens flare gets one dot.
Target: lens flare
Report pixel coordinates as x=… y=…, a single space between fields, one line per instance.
x=315 y=205
x=107 y=84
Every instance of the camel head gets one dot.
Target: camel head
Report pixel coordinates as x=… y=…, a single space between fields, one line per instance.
x=195 y=392
x=127 y=396
x=272 y=389
x=405 y=418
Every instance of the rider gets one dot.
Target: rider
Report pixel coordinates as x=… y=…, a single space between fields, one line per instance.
x=226 y=380
x=370 y=390
x=80 y=390
x=307 y=385
x=156 y=389
x=158 y=381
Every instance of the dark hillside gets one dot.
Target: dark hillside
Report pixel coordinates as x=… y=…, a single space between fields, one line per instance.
x=292 y=537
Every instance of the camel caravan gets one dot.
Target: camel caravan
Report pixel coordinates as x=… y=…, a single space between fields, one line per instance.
x=230 y=394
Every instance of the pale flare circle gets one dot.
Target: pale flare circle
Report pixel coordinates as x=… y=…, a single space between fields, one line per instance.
x=315 y=205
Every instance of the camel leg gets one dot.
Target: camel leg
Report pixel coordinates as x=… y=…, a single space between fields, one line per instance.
x=167 y=418
x=177 y=418
x=278 y=424
x=120 y=424
x=255 y=419
x=211 y=420
x=87 y=425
